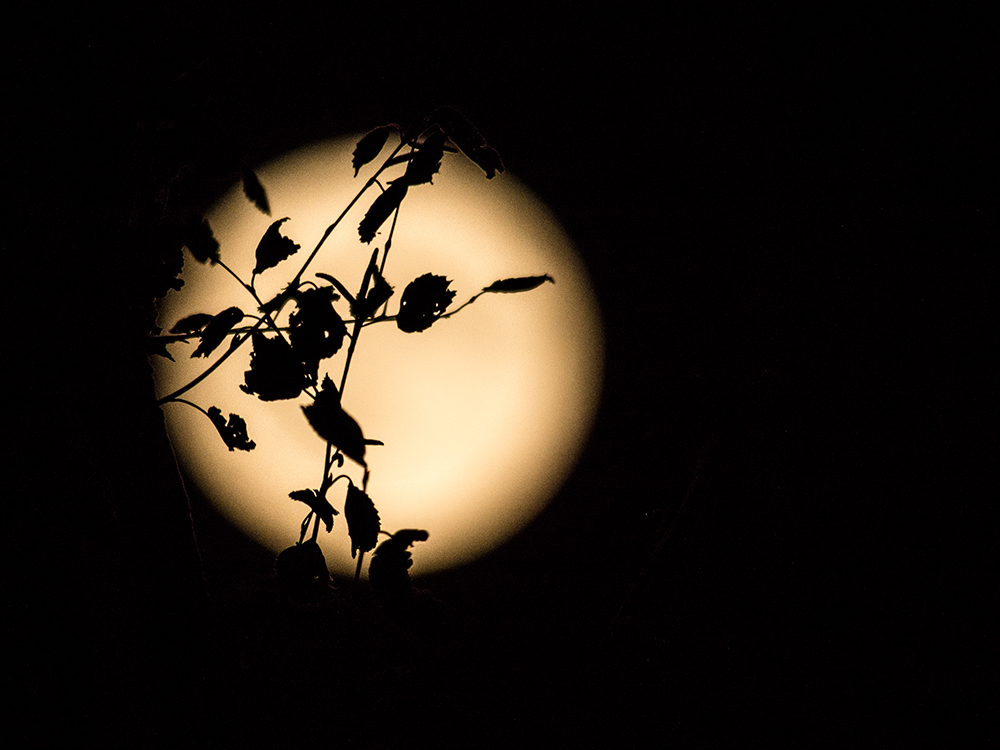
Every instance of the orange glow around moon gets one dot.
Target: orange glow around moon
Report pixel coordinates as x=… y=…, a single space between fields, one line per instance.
x=482 y=415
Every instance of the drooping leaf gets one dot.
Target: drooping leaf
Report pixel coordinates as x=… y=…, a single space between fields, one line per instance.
x=301 y=570
x=371 y=146
x=335 y=425
x=424 y=300
x=275 y=373
x=381 y=210
x=465 y=135
x=377 y=296
x=519 y=284
x=216 y=330
x=426 y=162
x=317 y=331
x=255 y=191
x=388 y=573
x=273 y=248
x=320 y=505
x=363 y=522
x=192 y=323
x=199 y=240
x=233 y=432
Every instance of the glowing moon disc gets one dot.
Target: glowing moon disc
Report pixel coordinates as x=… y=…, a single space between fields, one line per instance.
x=482 y=415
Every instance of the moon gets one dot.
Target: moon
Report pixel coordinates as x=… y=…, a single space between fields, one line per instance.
x=482 y=416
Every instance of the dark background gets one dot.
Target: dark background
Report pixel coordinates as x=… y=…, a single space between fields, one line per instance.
x=777 y=531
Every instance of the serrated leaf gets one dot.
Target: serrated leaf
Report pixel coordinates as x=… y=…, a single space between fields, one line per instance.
x=273 y=248
x=253 y=190
x=519 y=284
x=320 y=505
x=317 y=331
x=275 y=373
x=192 y=323
x=363 y=523
x=381 y=210
x=424 y=300
x=216 y=330
x=371 y=146
x=233 y=431
x=334 y=425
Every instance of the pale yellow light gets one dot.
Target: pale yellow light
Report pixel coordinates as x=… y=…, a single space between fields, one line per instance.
x=482 y=416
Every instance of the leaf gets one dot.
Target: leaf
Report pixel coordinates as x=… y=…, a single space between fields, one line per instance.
x=275 y=372
x=273 y=248
x=519 y=284
x=465 y=135
x=362 y=520
x=426 y=162
x=381 y=209
x=200 y=241
x=335 y=425
x=388 y=573
x=371 y=146
x=216 y=330
x=233 y=432
x=255 y=191
x=192 y=323
x=320 y=506
x=424 y=300
x=377 y=296
x=317 y=331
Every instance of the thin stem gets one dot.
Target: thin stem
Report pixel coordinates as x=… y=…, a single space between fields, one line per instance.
x=357 y=571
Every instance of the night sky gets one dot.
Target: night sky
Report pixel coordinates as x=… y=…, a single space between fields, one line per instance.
x=776 y=531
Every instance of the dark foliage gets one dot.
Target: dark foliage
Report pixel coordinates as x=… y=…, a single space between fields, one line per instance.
x=233 y=432
x=424 y=300
x=519 y=284
x=198 y=238
x=335 y=425
x=317 y=331
x=388 y=572
x=362 y=520
x=273 y=248
x=301 y=571
x=320 y=505
x=381 y=210
x=370 y=146
x=426 y=162
x=192 y=323
x=217 y=330
x=377 y=296
x=276 y=372
x=255 y=191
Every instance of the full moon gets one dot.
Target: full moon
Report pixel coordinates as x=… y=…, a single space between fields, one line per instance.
x=482 y=415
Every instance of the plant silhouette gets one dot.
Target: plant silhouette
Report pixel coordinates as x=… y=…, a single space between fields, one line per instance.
x=295 y=336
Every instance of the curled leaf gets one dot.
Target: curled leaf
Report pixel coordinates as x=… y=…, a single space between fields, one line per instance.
x=371 y=146
x=192 y=323
x=233 y=432
x=275 y=373
x=320 y=505
x=216 y=330
x=335 y=425
x=519 y=284
x=381 y=210
x=253 y=190
x=362 y=520
x=273 y=248
x=424 y=300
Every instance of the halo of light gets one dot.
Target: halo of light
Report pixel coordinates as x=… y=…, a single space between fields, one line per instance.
x=483 y=415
